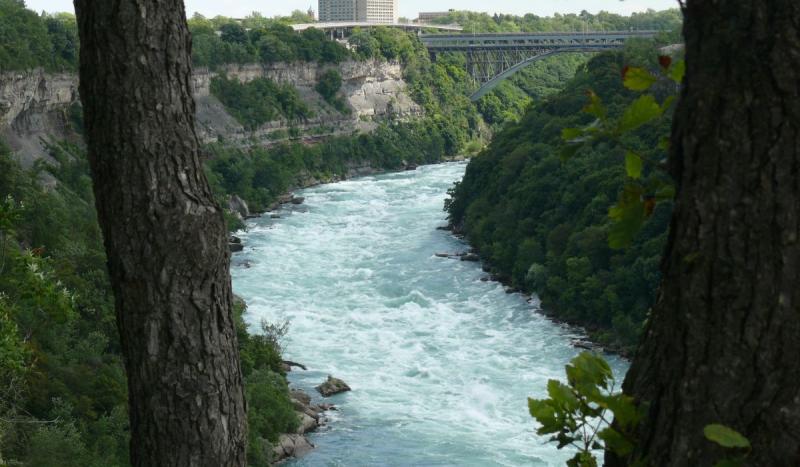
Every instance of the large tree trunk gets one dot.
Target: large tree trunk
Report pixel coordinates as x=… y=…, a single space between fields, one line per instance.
x=723 y=341
x=164 y=235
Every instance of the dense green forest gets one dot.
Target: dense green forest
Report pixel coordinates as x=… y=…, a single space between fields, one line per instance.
x=29 y=40
x=64 y=394
x=665 y=20
x=542 y=223
x=268 y=42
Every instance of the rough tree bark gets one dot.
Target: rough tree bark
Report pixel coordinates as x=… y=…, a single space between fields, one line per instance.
x=164 y=235
x=723 y=341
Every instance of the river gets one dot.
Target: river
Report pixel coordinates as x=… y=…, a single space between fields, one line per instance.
x=440 y=362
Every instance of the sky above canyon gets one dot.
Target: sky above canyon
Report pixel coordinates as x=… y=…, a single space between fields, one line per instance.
x=408 y=8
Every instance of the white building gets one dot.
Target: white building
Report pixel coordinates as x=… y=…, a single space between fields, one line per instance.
x=369 y=11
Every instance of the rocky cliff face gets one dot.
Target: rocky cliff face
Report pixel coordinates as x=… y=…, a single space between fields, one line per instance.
x=373 y=90
x=35 y=106
x=34 y=109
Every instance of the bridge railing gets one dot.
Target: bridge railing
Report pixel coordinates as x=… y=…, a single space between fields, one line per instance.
x=513 y=40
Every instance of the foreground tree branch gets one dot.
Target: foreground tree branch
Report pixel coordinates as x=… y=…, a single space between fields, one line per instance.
x=164 y=235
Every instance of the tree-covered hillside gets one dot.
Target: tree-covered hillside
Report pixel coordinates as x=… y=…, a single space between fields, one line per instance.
x=63 y=393
x=542 y=223
x=29 y=40
x=666 y=20
x=224 y=40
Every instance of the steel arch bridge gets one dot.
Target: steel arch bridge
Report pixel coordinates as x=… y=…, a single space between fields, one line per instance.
x=491 y=58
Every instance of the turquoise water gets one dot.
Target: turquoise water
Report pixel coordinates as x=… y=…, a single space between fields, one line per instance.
x=440 y=363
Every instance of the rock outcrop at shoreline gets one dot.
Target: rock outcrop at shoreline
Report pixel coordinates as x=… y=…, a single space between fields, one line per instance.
x=235 y=244
x=238 y=207
x=312 y=417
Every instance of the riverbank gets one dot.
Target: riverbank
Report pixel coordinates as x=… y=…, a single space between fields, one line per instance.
x=589 y=342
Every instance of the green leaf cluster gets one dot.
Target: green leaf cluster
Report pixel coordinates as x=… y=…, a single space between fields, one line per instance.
x=736 y=445
x=579 y=413
x=269 y=411
x=639 y=197
x=29 y=40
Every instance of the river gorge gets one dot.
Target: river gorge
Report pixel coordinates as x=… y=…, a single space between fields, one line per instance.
x=440 y=361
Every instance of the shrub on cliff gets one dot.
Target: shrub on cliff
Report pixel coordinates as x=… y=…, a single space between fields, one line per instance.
x=328 y=87
x=259 y=101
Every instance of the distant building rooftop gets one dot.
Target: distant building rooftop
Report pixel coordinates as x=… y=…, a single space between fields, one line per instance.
x=431 y=15
x=364 y=24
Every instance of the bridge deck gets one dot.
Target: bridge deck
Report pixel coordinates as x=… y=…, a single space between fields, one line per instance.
x=456 y=42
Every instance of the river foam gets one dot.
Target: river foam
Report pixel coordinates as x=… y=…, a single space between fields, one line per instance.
x=440 y=362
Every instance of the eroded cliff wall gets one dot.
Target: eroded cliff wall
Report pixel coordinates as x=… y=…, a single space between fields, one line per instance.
x=37 y=107
x=34 y=108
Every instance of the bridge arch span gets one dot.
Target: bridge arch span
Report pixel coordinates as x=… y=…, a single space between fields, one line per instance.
x=496 y=80
x=493 y=57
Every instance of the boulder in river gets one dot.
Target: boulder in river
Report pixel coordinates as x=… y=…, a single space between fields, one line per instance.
x=297 y=200
x=470 y=257
x=239 y=262
x=235 y=243
x=332 y=386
